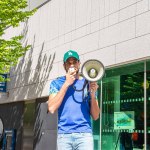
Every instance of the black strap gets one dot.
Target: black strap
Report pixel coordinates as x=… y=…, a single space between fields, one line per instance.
x=85 y=83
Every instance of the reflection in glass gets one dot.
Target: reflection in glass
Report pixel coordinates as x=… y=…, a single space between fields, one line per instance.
x=123 y=94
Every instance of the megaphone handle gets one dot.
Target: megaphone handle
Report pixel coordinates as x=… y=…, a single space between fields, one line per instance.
x=92 y=90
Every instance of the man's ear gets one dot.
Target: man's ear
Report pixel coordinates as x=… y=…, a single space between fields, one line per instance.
x=64 y=66
x=79 y=64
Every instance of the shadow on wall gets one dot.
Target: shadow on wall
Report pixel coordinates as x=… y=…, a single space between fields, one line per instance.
x=30 y=76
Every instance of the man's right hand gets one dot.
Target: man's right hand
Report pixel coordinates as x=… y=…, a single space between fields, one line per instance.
x=71 y=76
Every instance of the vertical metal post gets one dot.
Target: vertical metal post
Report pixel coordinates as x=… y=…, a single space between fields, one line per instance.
x=101 y=104
x=145 y=109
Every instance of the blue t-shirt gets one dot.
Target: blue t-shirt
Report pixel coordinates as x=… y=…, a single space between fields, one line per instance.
x=74 y=112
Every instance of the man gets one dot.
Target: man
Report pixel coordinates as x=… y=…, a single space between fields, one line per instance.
x=75 y=100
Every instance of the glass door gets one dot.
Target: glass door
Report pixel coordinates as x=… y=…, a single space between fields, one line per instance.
x=147 y=112
x=123 y=108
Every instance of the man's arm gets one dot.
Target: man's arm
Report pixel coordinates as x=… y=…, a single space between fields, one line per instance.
x=94 y=110
x=56 y=99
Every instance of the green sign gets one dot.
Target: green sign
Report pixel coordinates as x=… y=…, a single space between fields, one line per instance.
x=124 y=120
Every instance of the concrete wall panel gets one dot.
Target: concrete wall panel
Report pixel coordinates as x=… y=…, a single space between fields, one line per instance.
x=143 y=24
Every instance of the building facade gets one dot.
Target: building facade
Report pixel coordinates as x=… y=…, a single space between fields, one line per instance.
x=115 y=32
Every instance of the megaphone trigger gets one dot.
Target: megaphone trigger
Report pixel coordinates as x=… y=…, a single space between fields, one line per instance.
x=93 y=70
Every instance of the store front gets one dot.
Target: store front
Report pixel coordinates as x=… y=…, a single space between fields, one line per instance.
x=125 y=105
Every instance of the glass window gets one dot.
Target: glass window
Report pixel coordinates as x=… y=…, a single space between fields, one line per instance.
x=123 y=97
x=123 y=110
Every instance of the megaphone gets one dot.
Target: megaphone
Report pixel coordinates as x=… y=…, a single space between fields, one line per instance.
x=92 y=70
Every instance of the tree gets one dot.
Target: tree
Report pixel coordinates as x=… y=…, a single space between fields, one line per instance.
x=12 y=13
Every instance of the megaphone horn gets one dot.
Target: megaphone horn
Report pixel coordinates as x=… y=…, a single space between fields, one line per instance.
x=93 y=70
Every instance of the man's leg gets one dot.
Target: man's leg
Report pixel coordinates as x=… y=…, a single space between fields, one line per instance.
x=84 y=141
x=64 y=142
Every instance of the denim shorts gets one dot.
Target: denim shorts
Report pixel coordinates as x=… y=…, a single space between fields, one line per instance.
x=75 y=141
